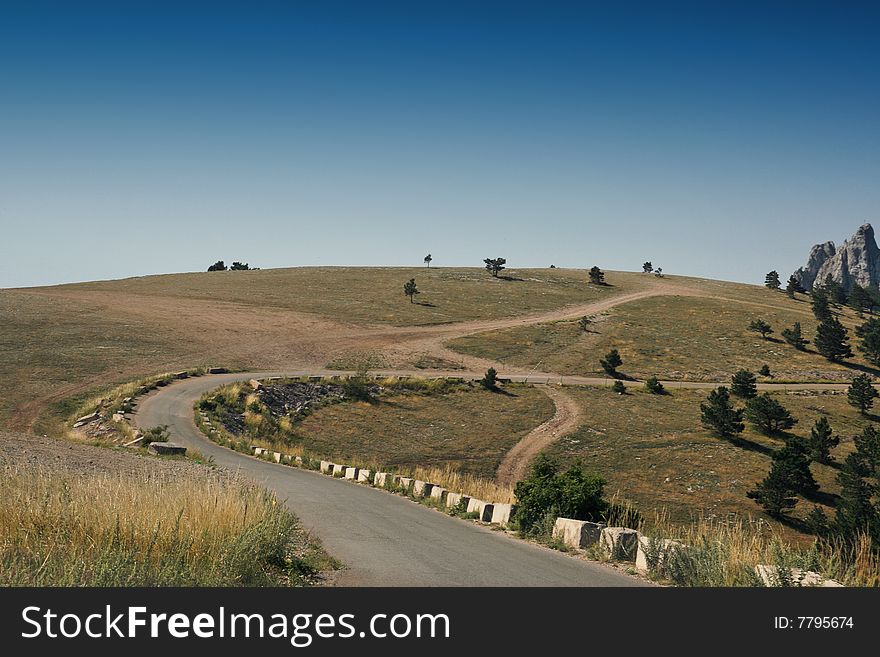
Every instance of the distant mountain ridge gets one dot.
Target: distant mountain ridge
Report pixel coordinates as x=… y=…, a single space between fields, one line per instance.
x=857 y=261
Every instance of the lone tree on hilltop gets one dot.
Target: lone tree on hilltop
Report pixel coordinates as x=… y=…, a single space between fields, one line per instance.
x=647 y=267
x=718 y=414
x=611 y=362
x=793 y=287
x=597 y=276
x=239 y=266
x=771 y=280
x=762 y=327
x=410 y=289
x=831 y=340
x=427 y=260
x=490 y=379
x=794 y=337
x=744 y=384
x=861 y=393
x=218 y=266
x=495 y=265
x=768 y=415
x=821 y=441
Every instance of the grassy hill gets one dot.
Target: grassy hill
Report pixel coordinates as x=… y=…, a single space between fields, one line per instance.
x=687 y=338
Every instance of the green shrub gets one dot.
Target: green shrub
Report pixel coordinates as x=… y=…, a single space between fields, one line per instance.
x=570 y=494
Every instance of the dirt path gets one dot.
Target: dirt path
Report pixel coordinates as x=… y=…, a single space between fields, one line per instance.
x=567 y=418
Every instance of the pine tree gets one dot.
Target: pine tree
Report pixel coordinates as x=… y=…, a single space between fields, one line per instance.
x=760 y=326
x=794 y=337
x=861 y=393
x=764 y=370
x=821 y=441
x=490 y=380
x=820 y=305
x=619 y=387
x=855 y=513
x=768 y=415
x=410 y=289
x=647 y=267
x=718 y=413
x=495 y=265
x=597 y=277
x=817 y=522
x=870 y=343
x=831 y=340
x=611 y=362
x=859 y=299
x=774 y=493
x=771 y=280
x=835 y=291
x=744 y=384
x=584 y=323
x=793 y=287
x=653 y=385
x=868 y=449
x=794 y=460
x=427 y=260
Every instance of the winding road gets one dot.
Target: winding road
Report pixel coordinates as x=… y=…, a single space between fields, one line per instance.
x=384 y=539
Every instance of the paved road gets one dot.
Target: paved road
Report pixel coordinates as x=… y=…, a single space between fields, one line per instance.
x=384 y=539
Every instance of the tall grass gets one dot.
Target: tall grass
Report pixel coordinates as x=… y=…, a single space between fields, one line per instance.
x=448 y=477
x=60 y=529
x=724 y=552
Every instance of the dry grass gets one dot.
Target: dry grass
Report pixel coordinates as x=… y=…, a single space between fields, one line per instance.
x=725 y=551
x=375 y=295
x=470 y=429
x=674 y=338
x=456 y=482
x=149 y=530
x=653 y=450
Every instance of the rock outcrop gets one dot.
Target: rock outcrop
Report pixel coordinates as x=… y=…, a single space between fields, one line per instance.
x=856 y=261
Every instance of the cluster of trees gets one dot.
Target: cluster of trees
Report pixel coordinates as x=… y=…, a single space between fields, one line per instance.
x=790 y=477
x=860 y=298
x=236 y=266
x=647 y=268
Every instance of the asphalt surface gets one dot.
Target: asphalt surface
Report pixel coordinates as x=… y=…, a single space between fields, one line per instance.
x=383 y=539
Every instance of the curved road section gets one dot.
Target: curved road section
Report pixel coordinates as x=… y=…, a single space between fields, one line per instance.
x=384 y=539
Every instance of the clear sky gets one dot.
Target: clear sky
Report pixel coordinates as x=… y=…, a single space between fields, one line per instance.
x=714 y=139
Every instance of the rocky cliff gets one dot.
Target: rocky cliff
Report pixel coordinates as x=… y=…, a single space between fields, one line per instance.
x=856 y=261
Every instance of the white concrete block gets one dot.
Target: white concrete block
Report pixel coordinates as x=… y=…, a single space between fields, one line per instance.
x=364 y=476
x=769 y=575
x=438 y=493
x=339 y=470
x=484 y=509
x=501 y=514
x=380 y=479
x=405 y=483
x=421 y=488
x=620 y=543
x=454 y=499
x=276 y=456
x=577 y=534
x=351 y=473
x=327 y=467
x=662 y=547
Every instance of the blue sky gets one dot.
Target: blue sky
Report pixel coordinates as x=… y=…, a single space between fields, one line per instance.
x=715 y=139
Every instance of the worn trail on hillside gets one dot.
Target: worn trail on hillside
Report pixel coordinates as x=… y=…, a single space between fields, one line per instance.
x=515 y=464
